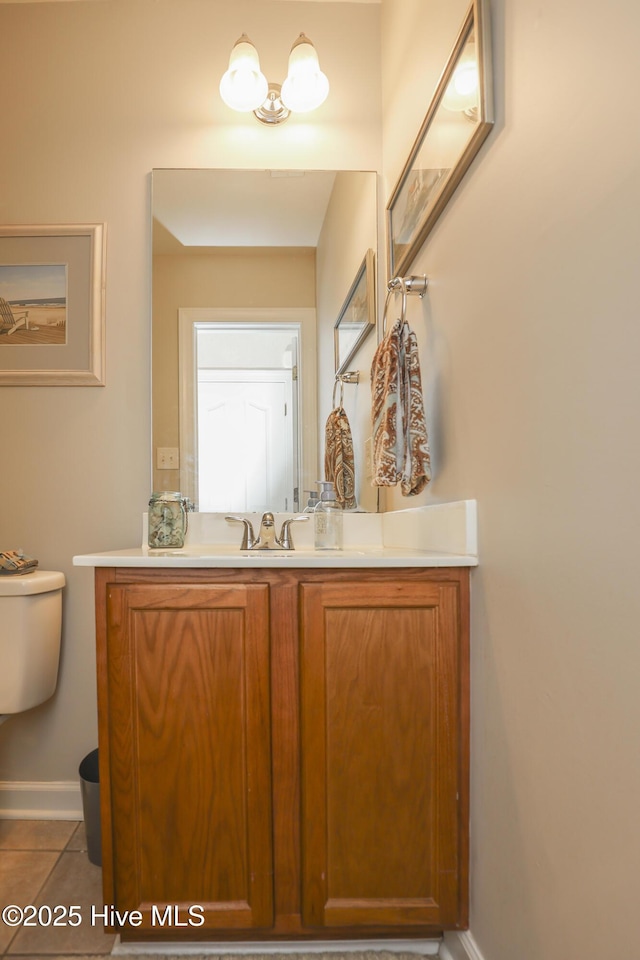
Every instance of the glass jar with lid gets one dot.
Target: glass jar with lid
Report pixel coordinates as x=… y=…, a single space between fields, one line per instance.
x=168 y=522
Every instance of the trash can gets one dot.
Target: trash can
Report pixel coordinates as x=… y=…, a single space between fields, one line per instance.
x=90 y=789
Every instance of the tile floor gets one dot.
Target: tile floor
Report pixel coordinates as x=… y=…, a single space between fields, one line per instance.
x=45 y=863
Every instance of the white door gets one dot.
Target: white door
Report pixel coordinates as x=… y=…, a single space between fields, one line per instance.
x=245 y=440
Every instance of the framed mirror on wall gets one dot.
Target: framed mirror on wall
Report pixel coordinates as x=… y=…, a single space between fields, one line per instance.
x=459 y=119
x=357 y=317
x=239 y=328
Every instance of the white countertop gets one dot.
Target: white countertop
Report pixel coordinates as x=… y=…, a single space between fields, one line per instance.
x=439 y=535
x=214 y=557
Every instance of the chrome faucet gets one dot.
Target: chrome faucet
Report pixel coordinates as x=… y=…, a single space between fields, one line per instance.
x=266 y=539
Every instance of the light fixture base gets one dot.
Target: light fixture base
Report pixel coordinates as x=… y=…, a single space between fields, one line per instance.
x=273 y=109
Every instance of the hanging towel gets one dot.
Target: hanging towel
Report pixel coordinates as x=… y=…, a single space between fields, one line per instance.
x=400 y=441
x=339 y=466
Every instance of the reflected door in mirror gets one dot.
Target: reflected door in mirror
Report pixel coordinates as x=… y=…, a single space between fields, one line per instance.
x=245 y=440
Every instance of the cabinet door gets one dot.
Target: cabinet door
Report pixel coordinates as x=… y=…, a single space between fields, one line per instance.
x=189 y=799
x=381 y=754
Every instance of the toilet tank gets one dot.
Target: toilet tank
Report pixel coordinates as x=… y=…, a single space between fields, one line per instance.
x=30 y=633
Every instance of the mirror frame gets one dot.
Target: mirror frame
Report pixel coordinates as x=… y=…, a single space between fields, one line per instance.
x=445 y=182
x=366 y=273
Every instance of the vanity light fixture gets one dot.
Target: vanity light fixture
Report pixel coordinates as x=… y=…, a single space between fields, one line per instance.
x=244 y=87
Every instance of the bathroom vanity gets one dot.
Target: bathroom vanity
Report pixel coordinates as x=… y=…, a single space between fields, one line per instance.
x=284 y=743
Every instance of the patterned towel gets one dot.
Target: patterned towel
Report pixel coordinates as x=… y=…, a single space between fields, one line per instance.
x=400 y=441
x=339 y=464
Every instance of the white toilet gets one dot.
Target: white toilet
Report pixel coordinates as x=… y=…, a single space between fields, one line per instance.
x=30 y=632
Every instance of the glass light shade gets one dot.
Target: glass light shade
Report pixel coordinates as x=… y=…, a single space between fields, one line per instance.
x=462 y=90
x=306 y=86
x=244 y=87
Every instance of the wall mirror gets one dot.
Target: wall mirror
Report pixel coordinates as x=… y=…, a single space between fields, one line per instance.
x=358 y=314
x=240 y=283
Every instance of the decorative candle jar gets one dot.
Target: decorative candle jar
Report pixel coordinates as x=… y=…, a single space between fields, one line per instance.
x=167 y=519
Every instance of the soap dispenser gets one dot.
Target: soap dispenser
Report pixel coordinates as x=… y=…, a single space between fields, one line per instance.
x=327 y=517
x=311 y=502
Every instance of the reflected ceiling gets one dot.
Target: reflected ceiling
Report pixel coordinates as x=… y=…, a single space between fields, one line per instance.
x=239 y=208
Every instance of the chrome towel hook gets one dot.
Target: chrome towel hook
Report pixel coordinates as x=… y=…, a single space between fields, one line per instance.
x=408 y=286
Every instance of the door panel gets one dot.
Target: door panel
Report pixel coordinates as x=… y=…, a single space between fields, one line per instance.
x=245 y=441
x=380 y=768
x=189 y=666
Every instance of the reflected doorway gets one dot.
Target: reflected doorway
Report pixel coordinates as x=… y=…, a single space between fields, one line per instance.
x=245 y=421
x=240 y=446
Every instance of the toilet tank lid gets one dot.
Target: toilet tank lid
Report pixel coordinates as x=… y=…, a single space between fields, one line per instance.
x=40 y=581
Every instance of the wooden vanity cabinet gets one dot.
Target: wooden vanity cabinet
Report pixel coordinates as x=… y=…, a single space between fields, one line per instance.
x=284 y=750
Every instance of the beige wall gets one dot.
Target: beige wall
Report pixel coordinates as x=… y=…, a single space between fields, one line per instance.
x=95 y=95
x=529 y=345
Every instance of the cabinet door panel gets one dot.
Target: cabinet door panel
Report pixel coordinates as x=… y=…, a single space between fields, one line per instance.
x=189 y=741
x=380 y=774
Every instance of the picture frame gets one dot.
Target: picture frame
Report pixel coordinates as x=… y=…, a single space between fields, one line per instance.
x=357 y=317
x=52 y=305
x=459 y=119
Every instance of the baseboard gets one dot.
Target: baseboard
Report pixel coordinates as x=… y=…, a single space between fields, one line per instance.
x=49 y=800
x=425 y=948
x=459 y=946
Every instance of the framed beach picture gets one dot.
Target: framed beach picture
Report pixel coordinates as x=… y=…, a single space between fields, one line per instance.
x=357 y=316
x=52 y=305
x=457 y=122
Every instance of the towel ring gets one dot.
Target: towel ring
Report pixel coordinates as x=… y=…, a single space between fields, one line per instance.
x=408 y=285
x=349 y=376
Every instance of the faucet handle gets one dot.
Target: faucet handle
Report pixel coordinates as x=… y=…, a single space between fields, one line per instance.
x=248 y=536
x=286 y=540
